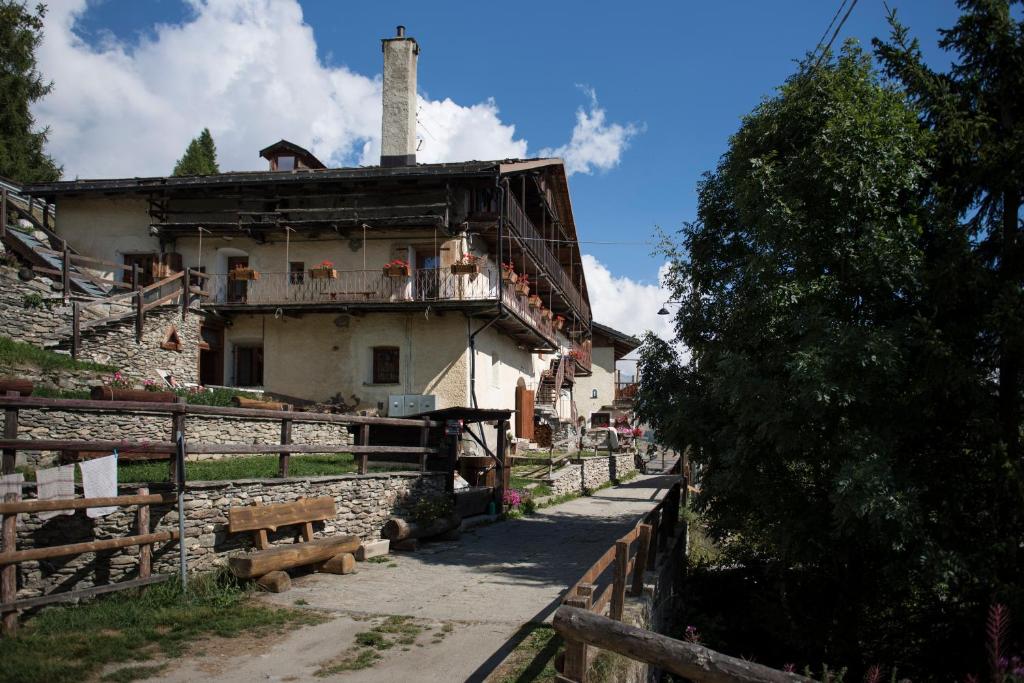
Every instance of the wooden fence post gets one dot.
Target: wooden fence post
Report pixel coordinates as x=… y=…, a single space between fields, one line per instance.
x=76 y=329
x=642 y=553
x=10 y=432
x=619 y=580
x=65 y=274
x=142 y=528
x=652 y=557
x=9 y=574
x=575 y=666
x=140 y=312
x=184 y=294
x=177 y=425
x=364 y=440
x=284 y=458
x=424 y=441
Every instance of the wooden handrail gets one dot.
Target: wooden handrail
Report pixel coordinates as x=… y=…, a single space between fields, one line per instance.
x=161 y=301
x=82 y=503
x=88 y=547
x=691 y=661
x=199 y=274
x=130 y=450
x=74 y=404
x=160 y=283
x=81 y=276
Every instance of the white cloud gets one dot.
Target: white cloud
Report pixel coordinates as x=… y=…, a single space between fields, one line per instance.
x=248 y=70
x=625 y=304
x=595 y=144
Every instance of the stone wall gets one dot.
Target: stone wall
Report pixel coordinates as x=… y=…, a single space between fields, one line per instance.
x=363 y=503
x=591 y=473
x=33 y=311
x=115 y=426
x=114 y=344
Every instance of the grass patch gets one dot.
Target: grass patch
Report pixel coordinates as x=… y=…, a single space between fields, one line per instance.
x=520 y=483
x=241 y=467
x=533 y=660
x=558 y=500
x=13 y=352
x=133 y=673
x=380 y=559
x=373 y=639
x=403 y=629
x=70 y=644
x=353 y=660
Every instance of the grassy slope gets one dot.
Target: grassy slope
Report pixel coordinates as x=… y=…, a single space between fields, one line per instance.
x=13 y=352
x=70 y=644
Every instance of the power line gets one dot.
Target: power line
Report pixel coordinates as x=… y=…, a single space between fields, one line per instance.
x=838 y=28
x=830 y=25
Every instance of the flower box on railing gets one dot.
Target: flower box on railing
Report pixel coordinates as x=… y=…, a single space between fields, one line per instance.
x=244 y=274
x=397 y=268
x=559 y=322
x=534 y=301
x=465 y=268
x=523 y=286
x=507 y=274
x=546 y=314
x=323 y=273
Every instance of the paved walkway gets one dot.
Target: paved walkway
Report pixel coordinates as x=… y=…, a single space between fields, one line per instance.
x=474 y=594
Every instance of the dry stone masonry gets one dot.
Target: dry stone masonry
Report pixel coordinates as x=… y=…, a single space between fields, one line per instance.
x=32 y=311
x=363 y=503
x=591 y=472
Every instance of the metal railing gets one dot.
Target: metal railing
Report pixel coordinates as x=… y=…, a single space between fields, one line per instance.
x=542 y=255
x=519 y=304
x=353 y=286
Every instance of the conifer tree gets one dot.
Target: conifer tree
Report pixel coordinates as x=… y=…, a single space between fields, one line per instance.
x=200 y=157
x=22 y=157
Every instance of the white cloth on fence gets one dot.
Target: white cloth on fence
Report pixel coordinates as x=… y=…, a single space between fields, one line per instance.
x=56 y=483
x=11 y=483
x=99 y=480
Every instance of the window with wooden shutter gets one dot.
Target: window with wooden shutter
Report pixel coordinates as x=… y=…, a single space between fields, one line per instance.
x=385 y=365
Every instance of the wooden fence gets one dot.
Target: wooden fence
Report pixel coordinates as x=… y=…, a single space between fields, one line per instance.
x=10 y=556
x=176 y=412
x=629 y=558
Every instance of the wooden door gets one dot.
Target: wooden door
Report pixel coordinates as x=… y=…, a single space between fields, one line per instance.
x=524 y=413
x=237 y=289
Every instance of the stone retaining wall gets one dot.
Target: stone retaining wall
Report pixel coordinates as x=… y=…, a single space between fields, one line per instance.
x=363 y=503
x=24 y=318
x=83 y=426
x=591 y=473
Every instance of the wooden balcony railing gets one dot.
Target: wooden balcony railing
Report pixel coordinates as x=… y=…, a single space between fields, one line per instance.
x=519 y=305
x=542 y=255
x=626 y=391
x=583 y=354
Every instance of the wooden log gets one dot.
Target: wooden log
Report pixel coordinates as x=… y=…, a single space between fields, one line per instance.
x=681 y=658
x=275 y=582
x=342 y=563
x=23 y=387
x=575 y=664
x=291 y=555
x=87 y=547
x=370 y=549
x=93 y=591
x=243 y=402
x=398 y=529
x=136 y=395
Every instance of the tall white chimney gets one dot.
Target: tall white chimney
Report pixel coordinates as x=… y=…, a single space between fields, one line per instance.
x=398 y=134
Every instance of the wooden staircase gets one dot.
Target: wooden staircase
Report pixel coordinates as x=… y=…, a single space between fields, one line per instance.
x=552 y=380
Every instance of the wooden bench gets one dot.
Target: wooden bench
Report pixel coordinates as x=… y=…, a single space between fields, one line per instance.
x=259 y=519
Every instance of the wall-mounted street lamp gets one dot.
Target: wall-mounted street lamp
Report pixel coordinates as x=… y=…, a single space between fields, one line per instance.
x=663 y=310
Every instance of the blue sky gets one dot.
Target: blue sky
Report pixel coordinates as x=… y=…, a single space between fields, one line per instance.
x=682 y=73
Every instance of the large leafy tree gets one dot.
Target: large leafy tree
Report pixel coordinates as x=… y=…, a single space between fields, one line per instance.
x=200 y=157
x=833 y=395
x=22 y=155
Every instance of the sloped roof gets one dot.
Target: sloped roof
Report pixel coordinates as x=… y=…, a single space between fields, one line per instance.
x=623 y=343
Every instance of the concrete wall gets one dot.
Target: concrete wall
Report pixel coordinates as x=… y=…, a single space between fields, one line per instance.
x=320 y=355
x=602 y=379
x=362 y=503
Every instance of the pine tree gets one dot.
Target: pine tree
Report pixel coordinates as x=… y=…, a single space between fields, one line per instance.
x=200 y=157
x=22 y=157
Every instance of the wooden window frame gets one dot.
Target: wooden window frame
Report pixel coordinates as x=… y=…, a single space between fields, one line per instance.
x=377 y=372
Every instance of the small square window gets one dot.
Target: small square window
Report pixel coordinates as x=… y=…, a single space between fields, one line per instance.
x=385 y=365
x=286 y=163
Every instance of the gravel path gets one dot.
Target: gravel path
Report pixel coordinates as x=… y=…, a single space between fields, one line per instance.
x=470 y=597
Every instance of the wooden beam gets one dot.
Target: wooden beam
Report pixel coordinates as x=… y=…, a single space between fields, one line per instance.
x=364 y=440
x=291 y=555
x=141 y=529
x=284 y=457
x=10 y=455
x=643 y=551
x=83 y=503
x=9 y=575
x=619 y=579
x=14 y=557
x=681 y=658
x=27 y=603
